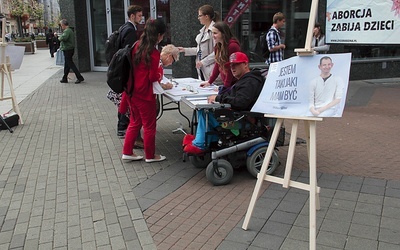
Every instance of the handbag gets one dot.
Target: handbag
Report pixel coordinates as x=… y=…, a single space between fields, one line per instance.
x=60 y=60
x=11 y=120
x=114 y=97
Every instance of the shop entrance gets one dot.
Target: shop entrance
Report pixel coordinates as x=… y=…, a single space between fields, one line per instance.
x=106 y=16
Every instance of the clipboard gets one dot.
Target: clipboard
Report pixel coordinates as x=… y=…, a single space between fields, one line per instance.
x=200 y=102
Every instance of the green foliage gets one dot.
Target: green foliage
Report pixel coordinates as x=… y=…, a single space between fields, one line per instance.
x=23 y=10
x=23 y=39
x=17 y=7
x=36 y=10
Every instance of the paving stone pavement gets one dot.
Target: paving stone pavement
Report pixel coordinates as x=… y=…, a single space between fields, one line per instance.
x=64 y=186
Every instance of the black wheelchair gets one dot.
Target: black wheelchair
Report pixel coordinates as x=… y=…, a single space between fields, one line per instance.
x=243 y=140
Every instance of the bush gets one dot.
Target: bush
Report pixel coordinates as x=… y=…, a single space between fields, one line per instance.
x=23 y=39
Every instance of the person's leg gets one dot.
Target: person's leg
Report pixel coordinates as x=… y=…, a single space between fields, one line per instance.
x=148 y=114
x=67 y=58
x=200 y=140
x=51 y=49
x=122 y=125
x=198 y=145
x=132 y=130
x=72 y=65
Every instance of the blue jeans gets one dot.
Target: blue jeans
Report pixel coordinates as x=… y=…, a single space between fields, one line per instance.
x=200 y=140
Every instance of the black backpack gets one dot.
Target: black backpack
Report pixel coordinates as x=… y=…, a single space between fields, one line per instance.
x=113 y=44
x=119 y=70
x=264 y=43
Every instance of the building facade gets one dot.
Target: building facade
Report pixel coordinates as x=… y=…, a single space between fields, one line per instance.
x=51 y=13
x=94 y=20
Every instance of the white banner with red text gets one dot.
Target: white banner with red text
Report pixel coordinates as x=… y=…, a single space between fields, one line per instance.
x=363 y=21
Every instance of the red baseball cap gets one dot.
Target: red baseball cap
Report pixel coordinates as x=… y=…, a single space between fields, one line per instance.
x=238 y=57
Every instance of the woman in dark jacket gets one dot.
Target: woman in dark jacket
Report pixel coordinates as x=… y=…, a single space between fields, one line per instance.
x=50 y=43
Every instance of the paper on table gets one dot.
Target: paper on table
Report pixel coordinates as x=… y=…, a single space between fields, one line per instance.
x=197 y=100
x=209 y=88
x=189 y=81
x=203 y=101
x=179 y=91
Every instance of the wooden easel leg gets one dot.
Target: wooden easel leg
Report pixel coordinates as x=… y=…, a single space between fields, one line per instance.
x=307 y=130
x=13 y=97
x=290 y=155
x=263 y=171
x=2 y=84
x=313 y=184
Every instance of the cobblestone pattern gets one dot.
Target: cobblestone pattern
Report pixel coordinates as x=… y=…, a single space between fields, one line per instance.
x=63 y=185
x=62 y=182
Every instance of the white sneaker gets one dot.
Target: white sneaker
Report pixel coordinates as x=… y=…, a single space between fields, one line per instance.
x=132 y=158
x=155 y=160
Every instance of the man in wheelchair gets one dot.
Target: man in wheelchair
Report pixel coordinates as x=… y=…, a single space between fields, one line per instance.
x=241 y=96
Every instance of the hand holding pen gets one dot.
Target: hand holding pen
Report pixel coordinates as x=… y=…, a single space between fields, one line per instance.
x=205 y=84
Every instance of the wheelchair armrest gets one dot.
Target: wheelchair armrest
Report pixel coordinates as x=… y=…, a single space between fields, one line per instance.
x=224 y=115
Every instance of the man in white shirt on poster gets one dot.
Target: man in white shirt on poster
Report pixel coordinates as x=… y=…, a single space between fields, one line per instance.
x=326 y=91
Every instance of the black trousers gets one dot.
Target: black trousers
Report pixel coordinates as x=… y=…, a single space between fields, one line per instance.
x=69 y=64
x=51 y=48
x=123 y=122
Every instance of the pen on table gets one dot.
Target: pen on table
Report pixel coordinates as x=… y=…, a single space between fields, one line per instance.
x=176 y=83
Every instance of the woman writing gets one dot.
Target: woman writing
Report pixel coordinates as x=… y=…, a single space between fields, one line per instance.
x=169 y=55
x=145 y=59
x=225 y=45
x=204 y=51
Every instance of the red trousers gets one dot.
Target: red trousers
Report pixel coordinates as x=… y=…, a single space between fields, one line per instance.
x=144 y=114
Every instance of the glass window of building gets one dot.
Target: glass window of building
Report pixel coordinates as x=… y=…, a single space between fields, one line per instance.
x=257 y=20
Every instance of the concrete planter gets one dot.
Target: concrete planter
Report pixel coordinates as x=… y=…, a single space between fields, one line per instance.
x=41 y=44
x=30 y=47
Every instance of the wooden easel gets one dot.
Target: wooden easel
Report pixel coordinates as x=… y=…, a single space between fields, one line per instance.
x=5 y=68
x=310 y=129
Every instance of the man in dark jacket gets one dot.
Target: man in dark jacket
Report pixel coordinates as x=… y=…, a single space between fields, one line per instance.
x=128 y=31
x=49 y=42
x=241 y=96
x=128 y=36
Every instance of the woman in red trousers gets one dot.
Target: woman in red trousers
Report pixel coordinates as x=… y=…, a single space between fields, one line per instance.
x=146 y=58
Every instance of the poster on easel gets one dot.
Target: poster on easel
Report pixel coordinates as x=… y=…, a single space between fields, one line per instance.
x=306 y=86
x=15 y=54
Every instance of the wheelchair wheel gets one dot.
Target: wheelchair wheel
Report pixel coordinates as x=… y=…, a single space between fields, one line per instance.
x=255 y=161
x=200 y=161
x=221 y=175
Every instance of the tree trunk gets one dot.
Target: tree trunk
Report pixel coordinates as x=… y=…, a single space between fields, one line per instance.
x=19 y=23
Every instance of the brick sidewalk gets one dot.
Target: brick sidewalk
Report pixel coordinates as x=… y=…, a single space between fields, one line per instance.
x=63 y=184
x=195 y=216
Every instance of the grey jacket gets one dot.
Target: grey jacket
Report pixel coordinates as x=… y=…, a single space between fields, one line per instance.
x=205 y=43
